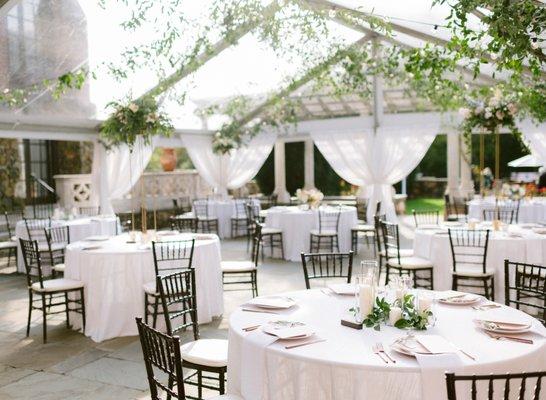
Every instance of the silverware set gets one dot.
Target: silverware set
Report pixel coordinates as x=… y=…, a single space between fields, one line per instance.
x=251 y=328
x=486 y=307
x=511 y=338
x=379 y=350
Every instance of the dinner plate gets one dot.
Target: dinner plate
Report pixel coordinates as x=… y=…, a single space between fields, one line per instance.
x=502 y=326
x=273 y=302
x=288 y=330
x=460 y=301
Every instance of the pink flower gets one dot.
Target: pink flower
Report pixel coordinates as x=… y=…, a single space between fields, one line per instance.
x=500 y=115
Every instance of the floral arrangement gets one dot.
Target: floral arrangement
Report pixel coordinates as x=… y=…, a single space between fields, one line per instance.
x=312 y=197
x=490 y=115
x=514 y=191
x=140 y=117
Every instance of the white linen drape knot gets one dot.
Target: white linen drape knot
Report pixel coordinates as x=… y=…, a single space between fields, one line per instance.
x=231 y=170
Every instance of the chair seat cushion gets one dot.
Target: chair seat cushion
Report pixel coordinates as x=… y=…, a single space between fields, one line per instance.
x=59 y=267
x=317 y=232
x=8 y=245
x=207 y=218
x=150 y=288
x=403 y=252
x=54 y=246
x=363 y=227
x=206 y=352
x=410 y=262
x=473 y=272
x=237 y=266
x=53 y=285
x=271 y=231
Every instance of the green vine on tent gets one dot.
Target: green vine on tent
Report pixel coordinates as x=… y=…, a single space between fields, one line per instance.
x=134 y=119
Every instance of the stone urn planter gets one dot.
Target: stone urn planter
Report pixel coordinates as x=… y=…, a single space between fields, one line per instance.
x=168 y=159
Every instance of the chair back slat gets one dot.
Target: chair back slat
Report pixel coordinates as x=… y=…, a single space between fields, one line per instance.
x=426 y=217
x=57 y=237
x=391 y=240
x=161 y=352
x=35 y=228
x=202 y=209
x=472 y=385
x=329 y=219
x=172 y=255
x=89 y=211
x=240 y=208
x=43 y=211
x=183 y=224
x=525 y=288
x=469 y=248
x=505 y=215
x=32 y=262
x=178 y=298
x=327 y=265
x=11 y=218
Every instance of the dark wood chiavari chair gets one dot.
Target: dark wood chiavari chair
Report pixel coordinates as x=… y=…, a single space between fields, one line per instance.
x=183 y=223
x=178 y=298
x=36 y=230
x=469 y=254
x=58 y=237
x=252 y=210
x=89 y=211
x=239 y=221
x=426 y=217
x=57 y=290
x=169 y=256
x=509 y=386
x=269 y=237
x=8 y=241
x=510 y=204
x=327 y=233
x=420 y=270
x=456 y=208
x=163 y=362
x=525 y=288
x=182 y=205
x=381 y=253
x=207 y=222
x=246 y=271
x=326 y=266
x=506 y=215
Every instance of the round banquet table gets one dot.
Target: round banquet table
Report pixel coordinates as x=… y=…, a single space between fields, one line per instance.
x=530 y=210
x=79 y=229
x=296 y=225
x=114 y=275
x=344 y=366
x=223 y=210
x=518 y=244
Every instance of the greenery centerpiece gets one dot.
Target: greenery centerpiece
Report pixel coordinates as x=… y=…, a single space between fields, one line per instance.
x=133 y=119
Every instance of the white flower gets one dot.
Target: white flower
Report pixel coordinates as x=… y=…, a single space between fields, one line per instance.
x=6 y=90
x=478 y=110
x=488 y=114
x=464 y=112
x=500 y=115
x=133 y=107
x=512 y=108
x=151 y=117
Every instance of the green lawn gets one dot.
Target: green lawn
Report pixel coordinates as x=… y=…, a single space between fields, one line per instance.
x=425 y=203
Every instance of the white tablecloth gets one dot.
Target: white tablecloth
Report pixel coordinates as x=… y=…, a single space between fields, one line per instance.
x=530 y=248
x=296 y=225
x=79 y=229
x=529 y=211
x=114 y=275
x=344 y=366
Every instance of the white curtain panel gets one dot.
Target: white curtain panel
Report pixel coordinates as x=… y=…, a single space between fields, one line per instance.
x=376 y=161
x=116 y=171
x=535 y=136
x=231 y=170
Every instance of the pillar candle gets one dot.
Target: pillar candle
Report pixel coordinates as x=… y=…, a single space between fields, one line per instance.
x=366 y=299
x=394 y=315
x=425 y=303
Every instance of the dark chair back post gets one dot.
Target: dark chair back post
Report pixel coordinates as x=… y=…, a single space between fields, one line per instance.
x=329 y=219
x=525 y=285
x=35 y=228
x=483 y=386
x=162 y=352
x=327 y=265
x=427 y=217
x=379 y=232
x=177 y=292
x=256 y=251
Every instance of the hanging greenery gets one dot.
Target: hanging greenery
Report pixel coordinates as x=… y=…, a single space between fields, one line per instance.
x=133 y=119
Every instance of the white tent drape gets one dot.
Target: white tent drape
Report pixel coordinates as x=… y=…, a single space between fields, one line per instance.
x=376 y=161
x=535 y=136
x=116 y=171
x=232 y=170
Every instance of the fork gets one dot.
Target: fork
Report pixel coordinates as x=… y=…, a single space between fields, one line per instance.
x=382 y=350
x=379 y=354
x=515 y=339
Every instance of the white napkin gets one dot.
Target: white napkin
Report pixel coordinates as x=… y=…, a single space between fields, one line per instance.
x=342 y=288
x=433 y=369
x=253 y=357
x=435 y=344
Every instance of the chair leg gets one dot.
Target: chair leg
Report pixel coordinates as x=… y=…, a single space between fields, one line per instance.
x=82 y=297
x=66 y=310
x=492 y=288
x=387 y=274
x=156 y=304
x=146 y=308
x=29 y=311
x=199 y=384
x=432 y=279
x=222 y=383
x=44 y=318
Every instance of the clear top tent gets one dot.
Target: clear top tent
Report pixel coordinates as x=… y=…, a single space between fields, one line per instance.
x=43 y=39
